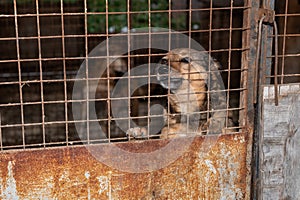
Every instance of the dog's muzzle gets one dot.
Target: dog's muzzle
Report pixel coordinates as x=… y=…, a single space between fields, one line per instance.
x=168 y=77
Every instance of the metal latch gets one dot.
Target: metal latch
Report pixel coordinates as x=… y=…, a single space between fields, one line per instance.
x=269 y=15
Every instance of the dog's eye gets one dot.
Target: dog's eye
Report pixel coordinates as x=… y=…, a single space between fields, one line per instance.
x=185 y=60
x=164 y=61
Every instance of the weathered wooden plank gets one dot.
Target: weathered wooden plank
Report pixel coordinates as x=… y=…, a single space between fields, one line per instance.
x=280 y=169
x=219 y=172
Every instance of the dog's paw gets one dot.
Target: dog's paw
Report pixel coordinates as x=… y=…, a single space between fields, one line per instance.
x=136 y=132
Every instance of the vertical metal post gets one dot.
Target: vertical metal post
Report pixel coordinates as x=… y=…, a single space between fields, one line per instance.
x=264 y=69
x=247 y=81
x=250 y=118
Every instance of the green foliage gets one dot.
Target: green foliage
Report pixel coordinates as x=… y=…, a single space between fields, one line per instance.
x=117 y=16
x=97 y=22
x=116 y=22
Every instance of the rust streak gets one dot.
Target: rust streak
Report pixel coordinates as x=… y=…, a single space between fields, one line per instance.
x=72 y=172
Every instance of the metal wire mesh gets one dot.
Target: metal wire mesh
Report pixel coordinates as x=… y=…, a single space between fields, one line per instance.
x=43 y=44
x=287 y=17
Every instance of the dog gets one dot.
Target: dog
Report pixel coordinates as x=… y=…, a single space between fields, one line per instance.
x=196 y=95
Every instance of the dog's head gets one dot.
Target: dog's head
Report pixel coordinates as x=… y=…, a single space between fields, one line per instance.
x=190 y=75
x=182 y=65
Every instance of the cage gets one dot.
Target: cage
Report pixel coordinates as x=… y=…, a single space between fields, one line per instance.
x=51 y=39
x=123 y=72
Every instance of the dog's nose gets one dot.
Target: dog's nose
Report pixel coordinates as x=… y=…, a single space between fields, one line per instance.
x=163 y=70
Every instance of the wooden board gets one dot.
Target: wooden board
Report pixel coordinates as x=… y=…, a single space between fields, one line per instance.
x=280 y=154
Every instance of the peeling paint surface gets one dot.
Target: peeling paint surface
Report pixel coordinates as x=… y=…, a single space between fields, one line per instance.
x=73 y=173
x=10 y=190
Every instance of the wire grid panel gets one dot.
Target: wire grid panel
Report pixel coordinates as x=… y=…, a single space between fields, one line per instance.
x=287 y=18
x=45 y=44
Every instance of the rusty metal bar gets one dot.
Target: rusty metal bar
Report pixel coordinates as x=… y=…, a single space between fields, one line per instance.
x=149 y=71
x=121 y=56
x=129 y=26
x=285 y=75
x=86 y=54
x=209 y=52
x=41 y=72
x=132 y=12
x=124 y=34
x=276 y=63
x=19 y=71
x=248 y=62
x=107 y=71
x=71 y=73
x=64 y=70
x=247 y=80
x=284 y=40
x=115 y=98
x=258 y=51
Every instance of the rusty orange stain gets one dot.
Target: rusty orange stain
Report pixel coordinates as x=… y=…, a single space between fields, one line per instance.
x=73 y=173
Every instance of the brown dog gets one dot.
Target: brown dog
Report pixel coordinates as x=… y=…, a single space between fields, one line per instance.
x=196 y=96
